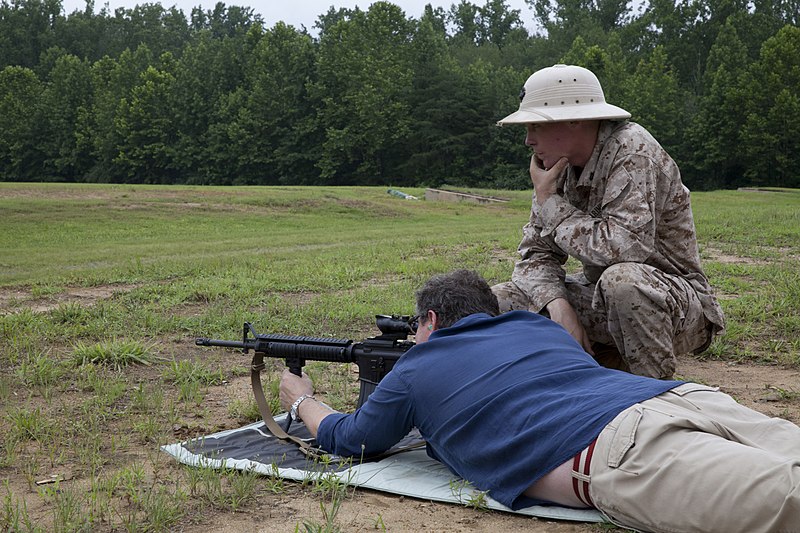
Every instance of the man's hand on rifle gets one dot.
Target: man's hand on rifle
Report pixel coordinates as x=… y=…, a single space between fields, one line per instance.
x=292 y=387
x=310 y=410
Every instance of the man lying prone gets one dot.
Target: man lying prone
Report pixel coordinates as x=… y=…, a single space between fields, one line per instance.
x=512 y=403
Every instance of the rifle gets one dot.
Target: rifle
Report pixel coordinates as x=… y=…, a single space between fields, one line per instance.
x=374 y=356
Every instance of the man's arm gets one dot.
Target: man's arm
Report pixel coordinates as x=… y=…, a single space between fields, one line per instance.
x=310 y=410
x=539 y=273
x=624 y=229
x=562 y=312
x=384 y=419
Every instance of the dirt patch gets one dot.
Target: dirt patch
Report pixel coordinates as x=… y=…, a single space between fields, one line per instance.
x=784 y=253
x=15 y=299
x=772 y=390
x=368 y=510
x=715 y=254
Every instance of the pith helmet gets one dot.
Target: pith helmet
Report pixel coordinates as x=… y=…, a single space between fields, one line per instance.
x=560 y=93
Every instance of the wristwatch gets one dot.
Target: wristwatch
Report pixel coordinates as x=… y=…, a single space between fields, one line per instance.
x=293 y=411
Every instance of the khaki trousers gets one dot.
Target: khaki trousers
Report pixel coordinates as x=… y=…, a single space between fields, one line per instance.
x=694 y=460
x=649 y=316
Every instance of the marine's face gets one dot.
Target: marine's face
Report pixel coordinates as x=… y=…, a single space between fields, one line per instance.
x=551 y=141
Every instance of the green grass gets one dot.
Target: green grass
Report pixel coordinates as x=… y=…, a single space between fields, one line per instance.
x=114 y=353
x=107 y=234
x=173 y=263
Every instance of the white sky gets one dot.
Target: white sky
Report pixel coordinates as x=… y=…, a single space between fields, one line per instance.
x=296 y=12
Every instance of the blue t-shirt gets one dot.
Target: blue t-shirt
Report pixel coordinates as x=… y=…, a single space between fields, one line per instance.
x=501 y=401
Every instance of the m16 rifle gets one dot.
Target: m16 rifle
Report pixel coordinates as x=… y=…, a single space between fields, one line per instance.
x=374 y=356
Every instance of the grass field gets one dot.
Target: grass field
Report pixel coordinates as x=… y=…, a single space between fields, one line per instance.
x=104 y=287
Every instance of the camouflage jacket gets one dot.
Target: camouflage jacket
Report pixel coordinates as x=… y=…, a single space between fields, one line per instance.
x=628 y=205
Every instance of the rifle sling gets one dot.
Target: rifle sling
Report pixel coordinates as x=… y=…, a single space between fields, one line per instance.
x=256 y=366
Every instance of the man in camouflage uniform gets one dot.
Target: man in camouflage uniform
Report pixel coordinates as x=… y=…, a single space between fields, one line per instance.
x=607 y=194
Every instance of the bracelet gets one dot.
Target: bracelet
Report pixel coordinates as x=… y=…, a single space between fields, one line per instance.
x=293 y=411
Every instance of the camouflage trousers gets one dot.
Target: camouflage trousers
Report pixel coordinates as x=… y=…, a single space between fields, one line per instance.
x=649 y=317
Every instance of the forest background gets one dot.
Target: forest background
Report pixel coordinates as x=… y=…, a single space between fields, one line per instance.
x=373 y=97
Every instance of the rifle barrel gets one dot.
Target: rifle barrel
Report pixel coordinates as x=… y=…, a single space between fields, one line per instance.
x=214 y=342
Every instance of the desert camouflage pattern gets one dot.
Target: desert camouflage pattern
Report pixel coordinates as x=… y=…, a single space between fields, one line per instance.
x=628 y=219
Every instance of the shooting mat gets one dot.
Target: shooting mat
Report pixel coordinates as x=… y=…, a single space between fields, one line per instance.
x=409 y=473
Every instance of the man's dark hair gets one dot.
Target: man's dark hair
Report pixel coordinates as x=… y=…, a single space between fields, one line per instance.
x=456 y=295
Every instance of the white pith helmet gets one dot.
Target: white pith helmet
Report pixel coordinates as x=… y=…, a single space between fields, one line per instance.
x=561 y=93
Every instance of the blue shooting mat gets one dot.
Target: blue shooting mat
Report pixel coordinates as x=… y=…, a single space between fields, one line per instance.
x=408 y=473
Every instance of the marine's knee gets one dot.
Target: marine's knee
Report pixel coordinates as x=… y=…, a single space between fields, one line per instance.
x=624 y=280
x=510 y=297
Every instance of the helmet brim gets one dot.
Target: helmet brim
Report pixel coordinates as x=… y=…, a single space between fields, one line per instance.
x=597 y=111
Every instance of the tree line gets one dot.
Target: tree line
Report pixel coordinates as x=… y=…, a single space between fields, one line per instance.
x=375 y=97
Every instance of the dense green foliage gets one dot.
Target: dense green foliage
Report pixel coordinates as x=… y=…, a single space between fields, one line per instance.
x=153 y=95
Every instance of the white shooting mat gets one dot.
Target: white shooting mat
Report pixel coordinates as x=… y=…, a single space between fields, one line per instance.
x=409 y=473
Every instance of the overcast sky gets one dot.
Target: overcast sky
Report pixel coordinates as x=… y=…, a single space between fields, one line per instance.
x=296 y=12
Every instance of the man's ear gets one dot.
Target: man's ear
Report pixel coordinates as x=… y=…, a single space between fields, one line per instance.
x=433 y=320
